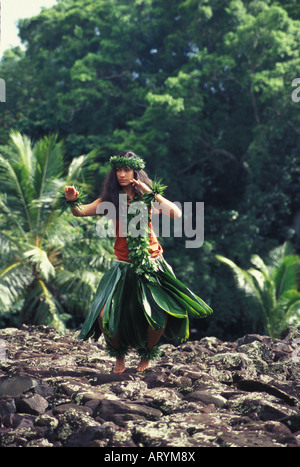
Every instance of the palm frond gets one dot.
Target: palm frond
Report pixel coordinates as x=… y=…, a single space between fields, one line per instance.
x=50 y=162
x=60 y=231
x=288 y=308
x=39 y=258
x=78 y=283
x=258 y=262
x=77 y=173
x=10 y=219
x=23 y=152
x=18 y=167
x=14 y=280
x=9 y=246
x=276 y=256
x=42 y=308
x=18 y=198
x=266 y=287
x=76 y=168
x=275 y=287
x=49 y=167
x=23 y=161
x=86 y=251
x=286 y=274
x=244 y=280
x=82 y=169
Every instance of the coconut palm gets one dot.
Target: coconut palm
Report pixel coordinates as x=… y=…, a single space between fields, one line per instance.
x=274 y=287
x=50 y=265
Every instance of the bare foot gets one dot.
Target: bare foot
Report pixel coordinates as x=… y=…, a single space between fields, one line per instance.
x=120 y=365
x=143 y=365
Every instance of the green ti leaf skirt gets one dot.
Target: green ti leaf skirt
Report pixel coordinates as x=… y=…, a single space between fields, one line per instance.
x=132 y=303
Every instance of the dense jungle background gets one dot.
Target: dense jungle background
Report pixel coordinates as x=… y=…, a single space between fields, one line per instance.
x=206 y=92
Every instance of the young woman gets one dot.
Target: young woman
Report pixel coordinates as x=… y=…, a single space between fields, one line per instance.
x=139 y=298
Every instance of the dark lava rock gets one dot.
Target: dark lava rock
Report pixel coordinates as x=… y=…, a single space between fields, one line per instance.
x=32 y=404
x=15 y=385
x=58 y=391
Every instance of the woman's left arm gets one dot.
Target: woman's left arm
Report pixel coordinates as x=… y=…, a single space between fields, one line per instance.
x=168 y=208
x=165 y=206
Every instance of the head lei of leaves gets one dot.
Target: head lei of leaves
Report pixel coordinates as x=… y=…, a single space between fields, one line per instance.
x=135 y=163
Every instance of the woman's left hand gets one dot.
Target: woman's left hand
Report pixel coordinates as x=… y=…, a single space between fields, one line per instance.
x=145 y=188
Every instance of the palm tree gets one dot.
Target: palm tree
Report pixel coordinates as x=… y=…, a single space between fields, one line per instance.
x=274 y=287
x=50 y=264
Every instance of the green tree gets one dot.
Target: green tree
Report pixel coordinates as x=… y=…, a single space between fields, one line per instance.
x=50 y=266
x=202 y=89
x=274 y=287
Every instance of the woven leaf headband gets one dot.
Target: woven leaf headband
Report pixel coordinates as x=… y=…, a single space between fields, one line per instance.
x=135 y=163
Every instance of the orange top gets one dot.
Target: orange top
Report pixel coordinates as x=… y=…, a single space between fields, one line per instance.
x=121 y=248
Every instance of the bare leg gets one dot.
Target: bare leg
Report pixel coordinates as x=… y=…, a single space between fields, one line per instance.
x=152 y=339
x=114 y=341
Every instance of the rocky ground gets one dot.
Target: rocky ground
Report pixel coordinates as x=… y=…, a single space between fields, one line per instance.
x=57 y=391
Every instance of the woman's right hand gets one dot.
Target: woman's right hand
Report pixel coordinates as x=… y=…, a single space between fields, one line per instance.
x=71 y=193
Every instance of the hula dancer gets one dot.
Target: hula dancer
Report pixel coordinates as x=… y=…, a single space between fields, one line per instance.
x=139 y=298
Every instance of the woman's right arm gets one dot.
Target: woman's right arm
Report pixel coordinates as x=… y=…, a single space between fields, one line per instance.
x=86 y=209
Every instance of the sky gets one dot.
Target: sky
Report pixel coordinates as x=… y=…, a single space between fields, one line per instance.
x=11 y=11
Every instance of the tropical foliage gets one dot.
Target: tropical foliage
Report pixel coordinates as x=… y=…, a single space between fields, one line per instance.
x=49 y=266
x=274 y=287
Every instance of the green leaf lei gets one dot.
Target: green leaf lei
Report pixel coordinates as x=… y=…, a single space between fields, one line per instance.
x=139 y=246
x=64 y=204
x=148 y=354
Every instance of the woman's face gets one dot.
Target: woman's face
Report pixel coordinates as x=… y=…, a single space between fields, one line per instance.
x=124 y=175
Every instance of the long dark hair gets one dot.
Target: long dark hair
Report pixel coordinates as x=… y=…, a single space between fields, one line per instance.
x=111 y=188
